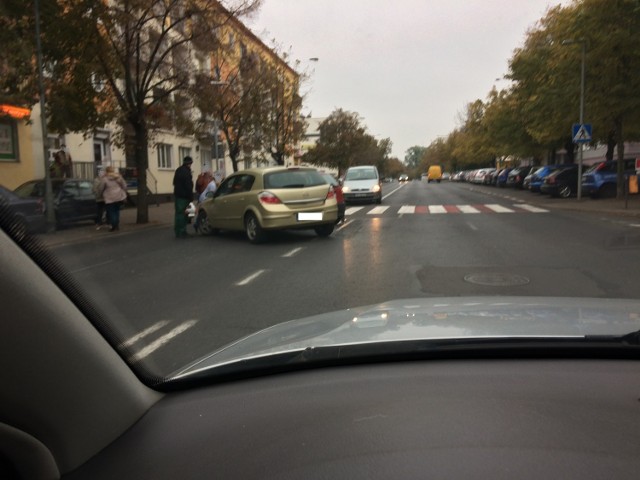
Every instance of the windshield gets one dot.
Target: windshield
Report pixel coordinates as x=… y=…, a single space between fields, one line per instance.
x=194 y=150
x=361 y=174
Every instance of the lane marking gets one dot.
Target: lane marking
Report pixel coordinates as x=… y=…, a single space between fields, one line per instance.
x=250 y=278
x=88 y=267
x=344 y=225
x=146 y=332
x=530 y=208
x=472 y=226
x=377 y=210
x=163 y=340
x=292 y=252
x=498 y=208
x=468 y=209
x=407 y=209
x=352 y=210
x=437 y=209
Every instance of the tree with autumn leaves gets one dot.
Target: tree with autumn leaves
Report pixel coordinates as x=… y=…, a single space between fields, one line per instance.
x=532 y=118
x=344 y=142
x=130 y=63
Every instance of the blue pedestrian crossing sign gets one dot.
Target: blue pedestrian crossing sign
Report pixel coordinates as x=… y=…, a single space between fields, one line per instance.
x=581 y=133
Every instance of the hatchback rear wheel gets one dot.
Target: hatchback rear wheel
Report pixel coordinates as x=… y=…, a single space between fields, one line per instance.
x=254 y=231
x=324 y=230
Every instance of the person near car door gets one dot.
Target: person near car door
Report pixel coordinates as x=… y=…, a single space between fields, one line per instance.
x=100 y=205
x=183 y=195
x=114 y=191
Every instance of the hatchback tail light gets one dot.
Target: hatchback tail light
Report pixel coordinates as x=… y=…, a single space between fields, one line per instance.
x=331 y=193
x=268 y=198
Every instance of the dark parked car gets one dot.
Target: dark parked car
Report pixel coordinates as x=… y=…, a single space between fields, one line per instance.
x=29 y=212
x=516 y=176
x=73 y=198
x=561 y=183
x=541 y=173
x=601 y=180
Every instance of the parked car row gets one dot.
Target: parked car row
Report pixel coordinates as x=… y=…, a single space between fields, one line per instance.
x=560 y=180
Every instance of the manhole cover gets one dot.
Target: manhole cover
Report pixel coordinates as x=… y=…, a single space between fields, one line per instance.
x=496 y=279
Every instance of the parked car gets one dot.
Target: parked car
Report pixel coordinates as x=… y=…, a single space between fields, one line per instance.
x=561 y=183
x=73 y=198
x=260 y=200
x=29 y=212
x=538 y=176
x=601 y=180
x=516 y=177
x=333 y=181
x=501 y=177
x=362 y=183
x=478 y=176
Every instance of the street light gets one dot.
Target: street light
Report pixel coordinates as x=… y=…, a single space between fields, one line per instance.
x=583 y=47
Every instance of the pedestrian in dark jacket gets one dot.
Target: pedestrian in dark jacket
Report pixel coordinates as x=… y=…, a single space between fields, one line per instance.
x=183 y=195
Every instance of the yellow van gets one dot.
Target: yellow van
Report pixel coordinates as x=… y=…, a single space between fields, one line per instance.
x=434 y=173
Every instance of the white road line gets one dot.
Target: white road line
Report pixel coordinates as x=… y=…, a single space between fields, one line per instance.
x=163 y=340
x=88 y=267
x=437 y=209
x=530 y=208
x=291 y=253
x=407 y=209
x=472 y=226
x=377 y=210
x=146 y=332
x=352 y=210
x=468 y=209
x=498 y=208
x=250 y=278
x=343 y=225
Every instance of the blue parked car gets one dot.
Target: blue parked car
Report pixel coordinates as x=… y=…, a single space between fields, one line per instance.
x=601 y=180
x=537 y=177
x=501 y=180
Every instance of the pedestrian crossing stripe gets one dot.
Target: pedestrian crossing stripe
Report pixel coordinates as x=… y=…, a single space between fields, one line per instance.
x=444 y=209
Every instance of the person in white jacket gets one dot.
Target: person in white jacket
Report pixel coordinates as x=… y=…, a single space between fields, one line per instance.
x=114 y=191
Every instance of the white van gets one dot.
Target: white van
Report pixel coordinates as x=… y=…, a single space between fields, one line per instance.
x=362 y=184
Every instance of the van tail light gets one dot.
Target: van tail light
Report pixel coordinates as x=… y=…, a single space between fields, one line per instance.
x=331 y=193
x=268 y=198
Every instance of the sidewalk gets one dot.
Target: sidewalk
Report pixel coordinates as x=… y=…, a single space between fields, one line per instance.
x=603 y=206
x=161 y=216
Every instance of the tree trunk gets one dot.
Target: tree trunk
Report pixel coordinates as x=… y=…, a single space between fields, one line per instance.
x=142 y=163
x=611 y=145
x=620 y=169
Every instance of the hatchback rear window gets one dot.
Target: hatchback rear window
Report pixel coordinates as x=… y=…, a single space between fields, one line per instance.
x=293 y=179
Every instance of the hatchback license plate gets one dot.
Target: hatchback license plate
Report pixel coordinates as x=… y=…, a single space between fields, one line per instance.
x=302 y=216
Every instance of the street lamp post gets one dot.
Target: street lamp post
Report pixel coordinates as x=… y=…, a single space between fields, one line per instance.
x=583 y=48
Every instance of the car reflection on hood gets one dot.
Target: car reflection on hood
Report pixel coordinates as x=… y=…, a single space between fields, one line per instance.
x=455 y=319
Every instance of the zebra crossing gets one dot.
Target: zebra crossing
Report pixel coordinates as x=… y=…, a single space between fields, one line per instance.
x=444 y=209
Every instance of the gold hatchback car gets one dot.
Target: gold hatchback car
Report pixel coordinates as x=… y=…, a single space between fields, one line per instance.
x=258 y=200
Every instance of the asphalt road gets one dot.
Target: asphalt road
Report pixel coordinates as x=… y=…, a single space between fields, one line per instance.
x=176 y=300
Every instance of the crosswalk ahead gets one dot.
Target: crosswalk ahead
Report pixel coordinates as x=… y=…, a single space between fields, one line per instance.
x=444 y=209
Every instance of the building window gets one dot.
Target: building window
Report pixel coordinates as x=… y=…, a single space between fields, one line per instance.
x=8 y=141
x=247 y=163
x=183 y=152
x=164 y=155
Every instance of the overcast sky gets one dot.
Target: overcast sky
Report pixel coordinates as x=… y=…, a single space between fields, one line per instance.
x=408 y=67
